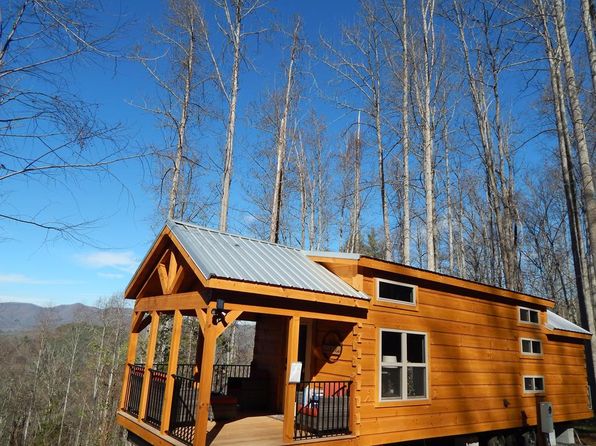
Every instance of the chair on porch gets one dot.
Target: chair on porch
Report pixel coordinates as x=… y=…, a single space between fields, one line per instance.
x=322 y=408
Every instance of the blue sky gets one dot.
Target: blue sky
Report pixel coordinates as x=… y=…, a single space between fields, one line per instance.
x=38 y=267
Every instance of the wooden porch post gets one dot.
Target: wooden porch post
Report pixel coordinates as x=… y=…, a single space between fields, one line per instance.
x=204 y=396
x=290 y=395
x=130 y=356
x=172 y=368
x=152 y=343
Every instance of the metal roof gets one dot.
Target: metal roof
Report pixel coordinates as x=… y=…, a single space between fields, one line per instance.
x=556 y=322
x=227 y=256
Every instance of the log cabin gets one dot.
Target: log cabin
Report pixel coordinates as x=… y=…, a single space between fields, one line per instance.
x=348 y=349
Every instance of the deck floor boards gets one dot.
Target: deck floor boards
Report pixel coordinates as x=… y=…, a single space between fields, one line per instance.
x=264 y=430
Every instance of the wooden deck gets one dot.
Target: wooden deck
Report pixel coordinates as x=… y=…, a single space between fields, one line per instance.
x=264 y=430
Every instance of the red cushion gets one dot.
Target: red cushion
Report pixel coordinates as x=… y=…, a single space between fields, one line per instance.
x=308 y=410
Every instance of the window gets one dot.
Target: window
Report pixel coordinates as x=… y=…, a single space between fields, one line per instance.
x=528 y=315
x=533 y=384
x=403 y=365
x=396 y=292
x=531 y=346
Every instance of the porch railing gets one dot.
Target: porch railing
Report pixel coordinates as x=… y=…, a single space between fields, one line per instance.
x=182 y=418
x=133 y=390
x=221 y=373
x=157 y=387
x=322 y=409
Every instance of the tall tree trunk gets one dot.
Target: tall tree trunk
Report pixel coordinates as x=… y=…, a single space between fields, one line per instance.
x=584 y=293
x=578 y=130
x=69 y=381
x=449 y=205
x=34 y=389
x=181 y=130
x=590 y=43
x=354 y=243
x=387 y=250
x=405 y=136
x=497 y=164
x=231 y=126
x=427 y=137
x=281 y=140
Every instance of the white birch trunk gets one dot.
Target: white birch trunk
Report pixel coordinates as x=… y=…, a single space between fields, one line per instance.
x=181 y=127
x=405 y=137
x=231 y=125
x=578 y=129
x=590 y=43
x=281 y=142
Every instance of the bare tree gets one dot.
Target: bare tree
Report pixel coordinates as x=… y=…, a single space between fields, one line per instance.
x=177 y=76
x=579 y=129
x=49 y=135
x=492 y=57
x=360 y=66
x=235 y=12
x=588 y=24
x=353 y=166
x=281 y=138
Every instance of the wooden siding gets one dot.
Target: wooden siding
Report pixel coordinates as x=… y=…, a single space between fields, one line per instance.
x=475 y=363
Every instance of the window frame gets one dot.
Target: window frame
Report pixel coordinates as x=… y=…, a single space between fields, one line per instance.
x=385 y=300
x=533 y=377
x=530 y=310
x=531 y=353
x=404 y=364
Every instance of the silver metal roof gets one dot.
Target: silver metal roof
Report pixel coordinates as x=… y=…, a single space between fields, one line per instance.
x=334 y=255
x=227 y=256
x=556 y=322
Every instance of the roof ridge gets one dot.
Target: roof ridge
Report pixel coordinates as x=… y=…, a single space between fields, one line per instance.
x=244 y=237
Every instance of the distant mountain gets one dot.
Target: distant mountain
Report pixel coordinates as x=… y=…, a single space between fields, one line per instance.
x=16 y=316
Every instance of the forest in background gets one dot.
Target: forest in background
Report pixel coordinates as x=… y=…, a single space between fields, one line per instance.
x=457 y=136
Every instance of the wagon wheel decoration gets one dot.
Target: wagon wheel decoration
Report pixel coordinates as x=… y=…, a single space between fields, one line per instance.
x=331 y=346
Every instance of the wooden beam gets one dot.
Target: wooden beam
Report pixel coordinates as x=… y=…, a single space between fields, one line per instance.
x=189 y=261
x=151 y=345
x=150 y=275
x=202 y=318
x=177 y=280
x=181 y=301
x=163 y=278
x=172 y=270
x=130 y=356
x=290 y=395
x=204 y=394
x=140 y=279
x=145 y=431
x=142 y=323
x=230 y=317
x=291 y=312
x=172 y=368
x=283 y=292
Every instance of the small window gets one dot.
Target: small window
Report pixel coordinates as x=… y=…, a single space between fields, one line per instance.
x=396 y=292
x=533 y=384
x=528 y=315
x=403 y=366
x=531 y=346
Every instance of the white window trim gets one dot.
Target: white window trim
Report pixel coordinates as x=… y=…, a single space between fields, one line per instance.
x=533 y=377
x=404 y=365
x=521 y=347
x=529 y=309
x=395 y=301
